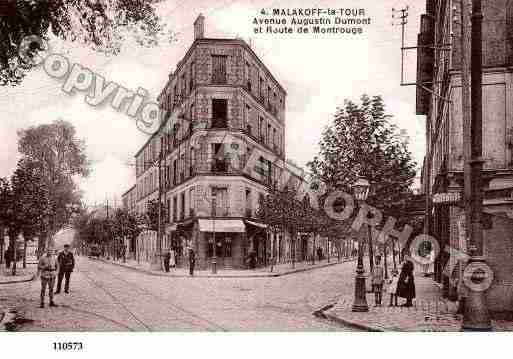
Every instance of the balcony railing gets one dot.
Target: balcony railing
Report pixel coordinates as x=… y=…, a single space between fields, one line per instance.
x=219 y=78
x=221 y=211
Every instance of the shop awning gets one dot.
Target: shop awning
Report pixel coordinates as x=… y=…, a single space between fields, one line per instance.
x=221 y=225
x=256 y=224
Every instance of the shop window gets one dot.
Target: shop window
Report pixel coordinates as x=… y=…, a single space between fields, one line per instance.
x=227 y=247
x=223 y=245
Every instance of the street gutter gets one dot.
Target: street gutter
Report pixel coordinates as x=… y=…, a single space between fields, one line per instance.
x=21 y=280
x=263 y=275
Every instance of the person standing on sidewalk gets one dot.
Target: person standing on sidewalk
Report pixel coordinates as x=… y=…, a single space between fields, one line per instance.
x=47 y=269
x=377 y=281
x=172 y=258
x=406 y=283
x=392 y=288
x=192 y=261
x=66 y=266
x=167 y=257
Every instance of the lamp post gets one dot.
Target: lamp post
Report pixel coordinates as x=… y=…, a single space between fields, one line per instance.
x=361 y=191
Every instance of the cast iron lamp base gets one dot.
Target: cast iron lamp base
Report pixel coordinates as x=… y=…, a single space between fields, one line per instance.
x=360 y=299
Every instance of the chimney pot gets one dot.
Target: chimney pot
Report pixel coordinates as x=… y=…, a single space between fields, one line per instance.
x=199 y=27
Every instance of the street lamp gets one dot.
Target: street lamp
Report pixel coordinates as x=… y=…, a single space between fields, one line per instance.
x=361 y=191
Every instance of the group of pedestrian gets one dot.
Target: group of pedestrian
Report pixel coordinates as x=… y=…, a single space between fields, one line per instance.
x=51 y=267
x=170 y=260
x=402 y=285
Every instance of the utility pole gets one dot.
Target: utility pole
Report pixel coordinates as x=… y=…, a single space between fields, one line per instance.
x=403 y=18
x=476 y=315
x=466 y=113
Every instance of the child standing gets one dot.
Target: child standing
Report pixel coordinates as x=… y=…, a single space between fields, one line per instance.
x=377 y=281
x=392 y=288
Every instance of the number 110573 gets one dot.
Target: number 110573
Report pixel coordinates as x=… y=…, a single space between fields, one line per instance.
x=68 y=346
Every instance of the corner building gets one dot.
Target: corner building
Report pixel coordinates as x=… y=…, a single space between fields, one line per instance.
x=439 y=70
x=222 y=144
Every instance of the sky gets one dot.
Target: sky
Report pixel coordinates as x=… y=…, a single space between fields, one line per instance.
x=317 y=71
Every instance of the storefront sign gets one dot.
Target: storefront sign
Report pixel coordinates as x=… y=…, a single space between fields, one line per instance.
x=446 y=198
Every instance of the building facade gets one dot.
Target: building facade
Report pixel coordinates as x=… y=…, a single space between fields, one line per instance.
x=221 y=144
x=439 y=97
x=129 y=199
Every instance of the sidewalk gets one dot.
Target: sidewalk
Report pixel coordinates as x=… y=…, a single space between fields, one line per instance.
x=22 y=274
x=430 y=313
x=278 y=270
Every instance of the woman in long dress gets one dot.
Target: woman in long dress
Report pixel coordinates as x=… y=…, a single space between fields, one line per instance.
x=406 y=283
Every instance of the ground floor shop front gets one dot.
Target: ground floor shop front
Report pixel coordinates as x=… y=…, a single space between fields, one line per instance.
x=448 y=224
x=238 y=244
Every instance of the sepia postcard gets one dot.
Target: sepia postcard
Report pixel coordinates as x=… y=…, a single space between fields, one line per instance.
x=254 y=166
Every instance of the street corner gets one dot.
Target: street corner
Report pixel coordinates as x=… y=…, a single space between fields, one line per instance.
x=422 y=316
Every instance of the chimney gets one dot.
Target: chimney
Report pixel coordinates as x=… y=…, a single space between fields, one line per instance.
x=199 y=27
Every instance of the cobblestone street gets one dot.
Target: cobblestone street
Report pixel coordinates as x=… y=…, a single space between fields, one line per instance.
x=107 y=297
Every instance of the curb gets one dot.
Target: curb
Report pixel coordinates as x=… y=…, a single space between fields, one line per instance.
x=32 y=277
x=351 y=323
x=266 y=275
x=323 y=313
x=7 y=321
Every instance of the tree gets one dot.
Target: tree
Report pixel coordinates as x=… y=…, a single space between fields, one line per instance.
x=7 y=215
x=125 y=225
x=362 y=142
x=59 y=157
x=103 y=25
x=30 y=201
x=337 y=232
x=106 y=232
x=281 y=209
x=152 y=214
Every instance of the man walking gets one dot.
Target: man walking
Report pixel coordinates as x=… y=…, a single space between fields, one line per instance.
x=47 y=268
x=192 y=261
x=66 y=266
